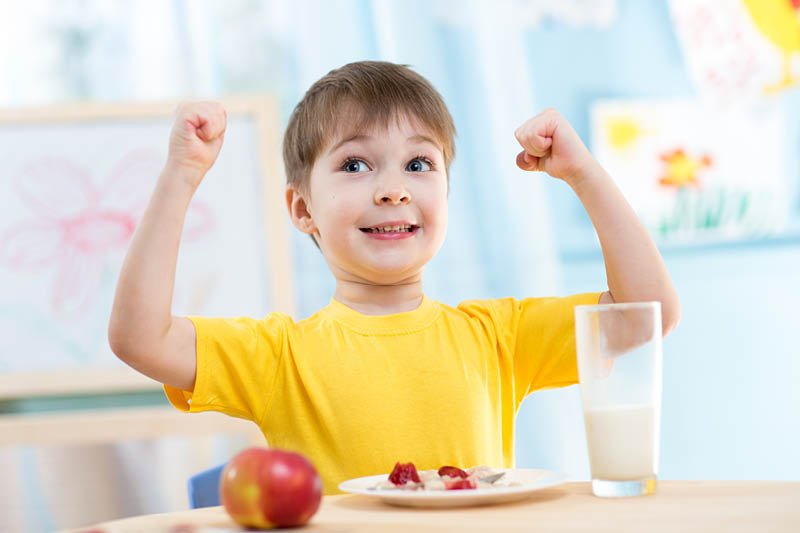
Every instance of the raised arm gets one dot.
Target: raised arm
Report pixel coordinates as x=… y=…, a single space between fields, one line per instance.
x=634 y=267
x=142 y=331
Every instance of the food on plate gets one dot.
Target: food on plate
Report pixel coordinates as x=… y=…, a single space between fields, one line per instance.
x=452 y=471
x=403 y=473
x=267 y=487
x=405 y=476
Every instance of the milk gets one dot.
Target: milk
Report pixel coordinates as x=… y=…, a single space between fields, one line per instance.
x=621 y=441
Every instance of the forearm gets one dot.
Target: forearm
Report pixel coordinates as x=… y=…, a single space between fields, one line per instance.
x=142 y=312
x=634 y=267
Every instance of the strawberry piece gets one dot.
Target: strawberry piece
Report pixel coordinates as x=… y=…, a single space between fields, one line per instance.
x=460 y=484
x=403 y=473
x=452 y=471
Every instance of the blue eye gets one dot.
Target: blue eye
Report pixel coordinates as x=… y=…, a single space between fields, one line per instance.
x=355 y=165
x=419 y=164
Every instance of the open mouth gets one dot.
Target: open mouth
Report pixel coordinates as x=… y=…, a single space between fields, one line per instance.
x=401 y=228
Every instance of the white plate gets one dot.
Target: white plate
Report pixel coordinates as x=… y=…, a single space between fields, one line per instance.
x=530 y=481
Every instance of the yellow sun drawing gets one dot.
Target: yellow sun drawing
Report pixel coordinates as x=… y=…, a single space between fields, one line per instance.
x=623 y=132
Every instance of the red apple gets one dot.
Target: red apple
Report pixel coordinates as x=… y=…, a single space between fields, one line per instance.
x=267 y=487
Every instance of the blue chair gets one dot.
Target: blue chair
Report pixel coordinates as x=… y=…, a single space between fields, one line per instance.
x=204 y=487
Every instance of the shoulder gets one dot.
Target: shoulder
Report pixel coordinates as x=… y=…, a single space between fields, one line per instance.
x=493 y=308
x=271 y=325
x=508 y=309
x=487 y=312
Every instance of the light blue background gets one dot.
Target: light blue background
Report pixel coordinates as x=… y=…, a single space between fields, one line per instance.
x=732 y=369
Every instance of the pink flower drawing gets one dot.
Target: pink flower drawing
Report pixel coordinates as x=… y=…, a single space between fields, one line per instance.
x=76 y=223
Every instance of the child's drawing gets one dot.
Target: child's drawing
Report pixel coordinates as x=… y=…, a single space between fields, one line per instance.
x=74 y=222
x=695 y=173
x=740 y=48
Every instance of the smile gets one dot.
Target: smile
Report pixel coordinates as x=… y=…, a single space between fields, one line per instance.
x=400 y=228
x=391 y=233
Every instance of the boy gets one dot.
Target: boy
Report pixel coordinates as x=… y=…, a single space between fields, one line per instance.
x=382 y=374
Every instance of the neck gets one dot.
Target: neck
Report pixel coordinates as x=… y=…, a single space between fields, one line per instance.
x=380 y=299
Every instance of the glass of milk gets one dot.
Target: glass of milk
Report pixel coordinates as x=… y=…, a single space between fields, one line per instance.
x=619 y=365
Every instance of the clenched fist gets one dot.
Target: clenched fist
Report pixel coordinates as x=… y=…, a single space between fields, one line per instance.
x=196 y=137
x=551 y=145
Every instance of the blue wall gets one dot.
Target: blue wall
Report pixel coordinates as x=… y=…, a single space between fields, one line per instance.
x=732 y=368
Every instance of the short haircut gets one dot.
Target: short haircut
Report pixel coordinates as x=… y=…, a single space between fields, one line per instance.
x=355 y=98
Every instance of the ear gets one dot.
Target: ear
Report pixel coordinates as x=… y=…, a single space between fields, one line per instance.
x=299 y=211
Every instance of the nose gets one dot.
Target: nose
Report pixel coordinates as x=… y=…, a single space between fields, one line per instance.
x=392 y=193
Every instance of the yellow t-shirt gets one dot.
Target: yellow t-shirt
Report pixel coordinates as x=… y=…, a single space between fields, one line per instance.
x=356 y=393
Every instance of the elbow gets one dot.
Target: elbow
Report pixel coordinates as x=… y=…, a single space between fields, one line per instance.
x=126 y=345
x=115 y=338
x=118 y=335
x=119 y=343
x=670 y=315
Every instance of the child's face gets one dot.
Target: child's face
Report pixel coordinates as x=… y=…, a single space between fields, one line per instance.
x=380 y=178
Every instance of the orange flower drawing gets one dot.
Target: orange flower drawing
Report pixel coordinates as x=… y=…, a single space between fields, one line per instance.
x=681 y=169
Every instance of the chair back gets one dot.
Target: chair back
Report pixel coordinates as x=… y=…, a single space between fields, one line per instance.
x=204 y=487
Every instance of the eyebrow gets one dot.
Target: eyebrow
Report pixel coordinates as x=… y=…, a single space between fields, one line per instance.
x=362 y=137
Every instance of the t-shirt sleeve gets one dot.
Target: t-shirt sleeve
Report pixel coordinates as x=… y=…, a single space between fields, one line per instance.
x=544 y=345
x=538 y=335
x=237 y=361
